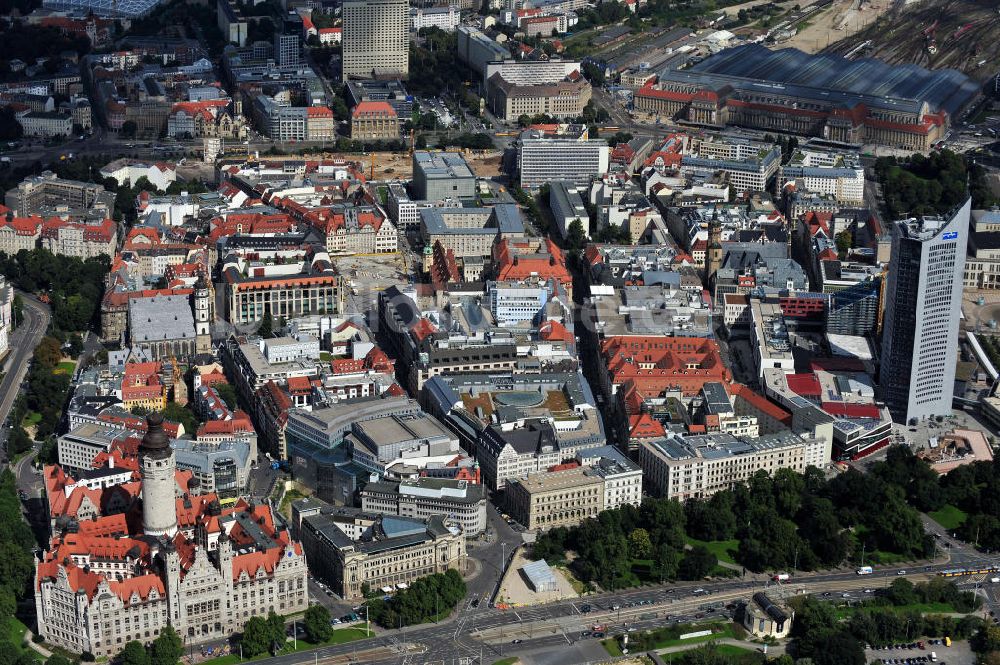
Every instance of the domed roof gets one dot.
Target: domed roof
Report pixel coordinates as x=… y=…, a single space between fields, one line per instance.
x=155 y=440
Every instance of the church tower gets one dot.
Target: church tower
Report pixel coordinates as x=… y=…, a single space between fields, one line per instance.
x=713 y=255
x=159 y=507
x=202 y=316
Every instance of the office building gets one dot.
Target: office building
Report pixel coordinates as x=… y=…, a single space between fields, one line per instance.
x=83 y=239
x=47 y=194
x=698 y=466
x=564 y=99
x=286 y=50
x=351 y=549
x=568 y=155
x=442 y=175
x=471 y=232
x=923 y=306
x=374 y=121
x=46 y=124
x=385 y=90
x=477 y=50
x=462 y=502
x=567 y=205
x=376 y=38
x=445 y=18
x=555 y=498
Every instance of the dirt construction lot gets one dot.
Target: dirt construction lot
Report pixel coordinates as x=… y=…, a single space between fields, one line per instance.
x=516 y=592
x=842 y=19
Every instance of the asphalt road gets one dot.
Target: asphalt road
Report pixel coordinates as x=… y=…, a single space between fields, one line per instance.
x=23 y=341
x=553 y=633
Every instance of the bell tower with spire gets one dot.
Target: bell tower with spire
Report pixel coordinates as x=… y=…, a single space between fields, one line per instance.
x=202 y=316
x=713 y=255
x=159 y=506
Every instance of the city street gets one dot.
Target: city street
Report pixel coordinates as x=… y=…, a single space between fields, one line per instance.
x=22 y=341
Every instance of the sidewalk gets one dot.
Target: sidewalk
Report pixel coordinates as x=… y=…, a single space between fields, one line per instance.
x=28 y=635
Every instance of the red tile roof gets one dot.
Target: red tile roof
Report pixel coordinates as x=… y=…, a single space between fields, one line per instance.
x=378 y=109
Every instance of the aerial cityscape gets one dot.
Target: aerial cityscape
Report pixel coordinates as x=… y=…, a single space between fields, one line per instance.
x=500 y=332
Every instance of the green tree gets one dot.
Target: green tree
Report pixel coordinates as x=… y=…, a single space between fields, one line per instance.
x=987 y=639
x=639 y=544
x=665 y=563
x=255 y=640
x=697 y=563
x=183 y=415
x=317 y=624
x=19 y=442
x=576 y=236
x=228 y=395
x=167 y=648
x=266 y=325
x=134 y=653
x=75 y=345
x=48 y=352
x=839 y=648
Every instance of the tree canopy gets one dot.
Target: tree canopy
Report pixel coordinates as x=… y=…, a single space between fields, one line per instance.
x=427 y=598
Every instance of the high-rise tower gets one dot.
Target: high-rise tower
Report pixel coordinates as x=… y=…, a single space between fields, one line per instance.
x=159 y=507
x=202 y=316
x=923 y=303
x=376 y=38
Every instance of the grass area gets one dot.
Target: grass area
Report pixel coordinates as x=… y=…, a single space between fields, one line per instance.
x=722 y=549
x=14 y=633
x=345 y=635
x=325 y=356
x=341 y=636
x=721 y=631
x=949 y=517
x=612 y=647
x=727 y=631
x=33 y=418
x=65 y=367
x=505 y=661
x=579 y=587
x=722 y=571
x=734 y=655
x=844 y=612
x=286 y=501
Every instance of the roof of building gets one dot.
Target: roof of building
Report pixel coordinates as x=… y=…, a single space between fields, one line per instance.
x=161 y=318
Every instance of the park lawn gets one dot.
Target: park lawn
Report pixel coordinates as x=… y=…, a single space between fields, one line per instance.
x=949 y=517
x=722 y=549
x=734 y=655
x=723 y=631
x=15 y=635
x=33 y=418
x=344 y=635
x=65 y=367
x=612 y=646
x=844 y=612
x=727 y=631
x=341 y=636
x=325 y=356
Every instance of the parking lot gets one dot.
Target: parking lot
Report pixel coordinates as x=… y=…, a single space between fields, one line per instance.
x=958 y=653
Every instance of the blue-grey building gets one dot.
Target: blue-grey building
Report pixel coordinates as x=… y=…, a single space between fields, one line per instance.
x=923 y=305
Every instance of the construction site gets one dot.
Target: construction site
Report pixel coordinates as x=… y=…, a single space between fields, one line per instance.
x=936 y=34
